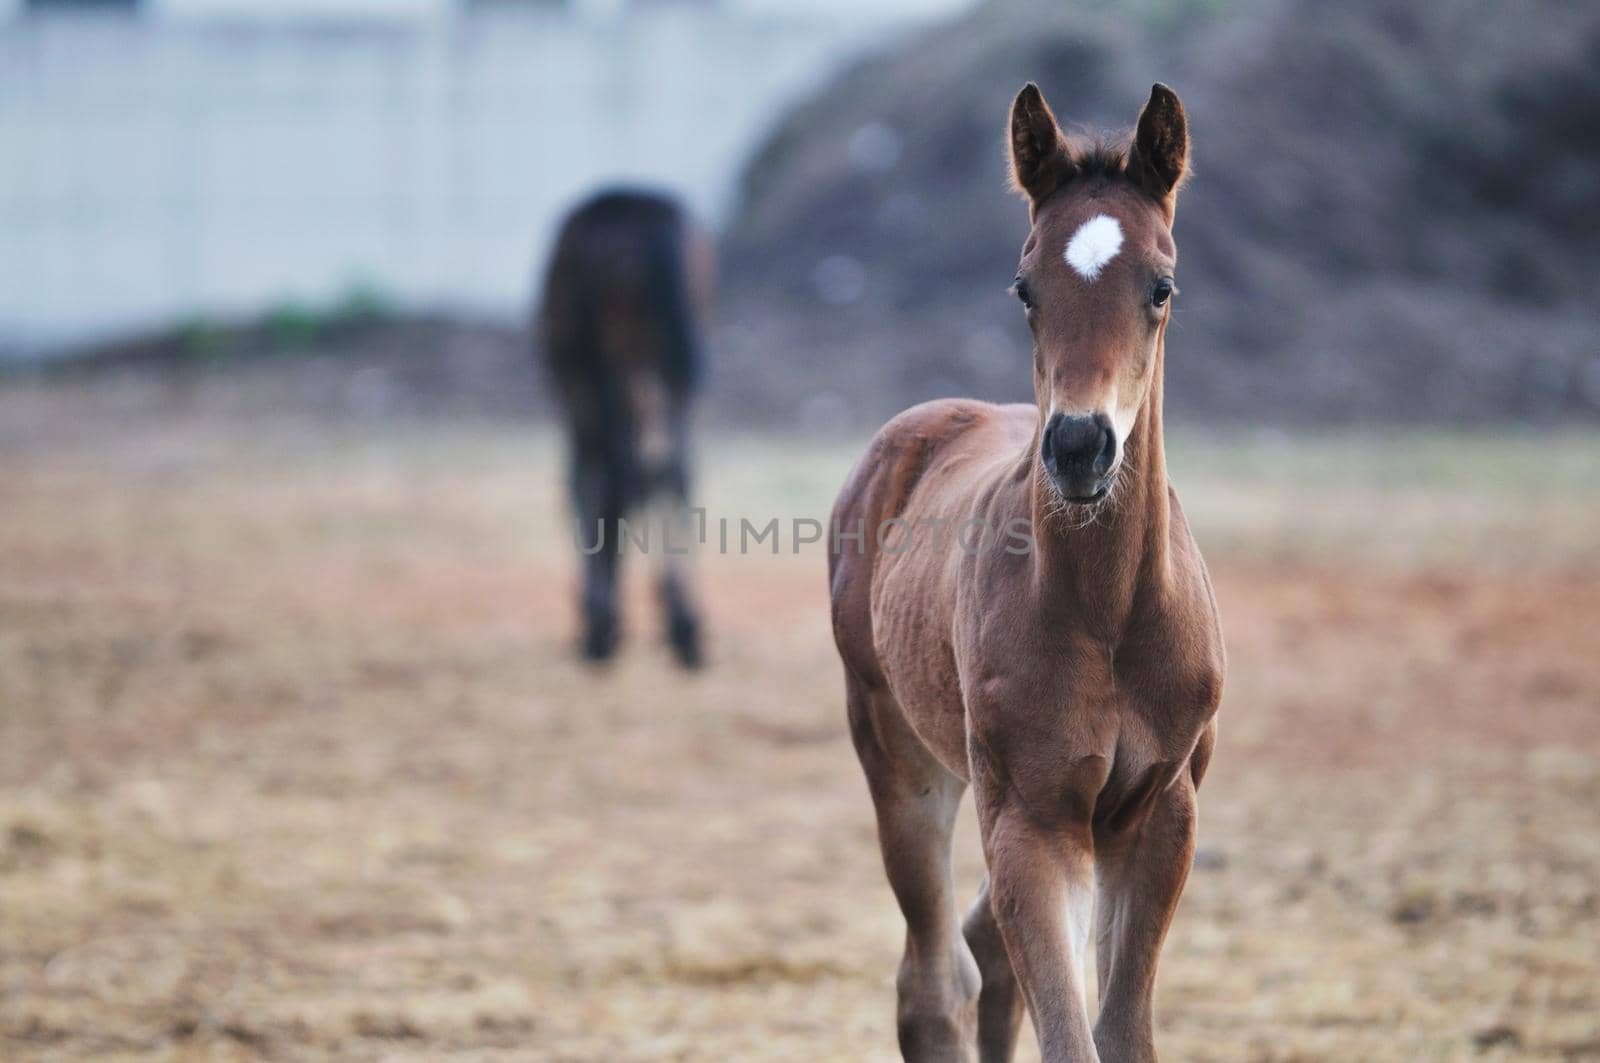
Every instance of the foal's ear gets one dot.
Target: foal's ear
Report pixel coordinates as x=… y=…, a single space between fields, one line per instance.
x=1039 y=160
x=1159 y=157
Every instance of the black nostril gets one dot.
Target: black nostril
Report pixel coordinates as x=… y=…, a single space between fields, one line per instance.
x=1108 y=446
x=1078 y=438
x=1078 y=445
x=1047 y=443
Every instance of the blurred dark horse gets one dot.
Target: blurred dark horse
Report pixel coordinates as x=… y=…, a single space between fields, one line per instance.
x=625 y=299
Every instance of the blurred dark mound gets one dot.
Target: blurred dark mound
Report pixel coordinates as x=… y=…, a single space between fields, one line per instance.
x=1393 y=215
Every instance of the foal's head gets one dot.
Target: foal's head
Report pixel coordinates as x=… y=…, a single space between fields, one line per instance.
x=1095 y=280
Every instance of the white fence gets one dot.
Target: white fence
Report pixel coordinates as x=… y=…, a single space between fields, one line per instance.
x=154 y=169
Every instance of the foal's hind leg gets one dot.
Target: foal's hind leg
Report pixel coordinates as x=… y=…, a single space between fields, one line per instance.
x=1000 y=1003
x=916 y=799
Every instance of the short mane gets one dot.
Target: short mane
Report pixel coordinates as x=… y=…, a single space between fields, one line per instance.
x=1085 y=156
x=1098 y=155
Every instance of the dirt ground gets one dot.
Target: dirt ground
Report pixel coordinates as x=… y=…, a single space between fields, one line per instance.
x=295 y=762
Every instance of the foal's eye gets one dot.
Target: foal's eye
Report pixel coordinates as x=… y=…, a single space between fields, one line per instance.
x=1020 y=287
x=1161 y=292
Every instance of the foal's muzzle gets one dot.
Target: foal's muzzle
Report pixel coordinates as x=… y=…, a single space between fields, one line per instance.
x=1079 y=453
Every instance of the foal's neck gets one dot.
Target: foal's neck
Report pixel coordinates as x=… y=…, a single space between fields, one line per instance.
x=1094 y=564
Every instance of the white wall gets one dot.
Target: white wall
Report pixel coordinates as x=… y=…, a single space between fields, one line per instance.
x=153 y=169
x=279 y=10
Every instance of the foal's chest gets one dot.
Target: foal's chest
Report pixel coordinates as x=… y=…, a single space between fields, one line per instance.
x=1066 y=711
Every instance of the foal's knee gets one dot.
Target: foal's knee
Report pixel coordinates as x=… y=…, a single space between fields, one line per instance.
x=937 y=1015
x=932 y=1036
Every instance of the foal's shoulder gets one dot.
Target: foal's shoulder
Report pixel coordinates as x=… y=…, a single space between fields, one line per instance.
x=938 y=417
x=945 y=421
x=914 y=441
x=954 y=433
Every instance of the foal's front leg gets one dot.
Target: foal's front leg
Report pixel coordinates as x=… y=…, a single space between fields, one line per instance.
x=1141 y=875
x=1041 y=870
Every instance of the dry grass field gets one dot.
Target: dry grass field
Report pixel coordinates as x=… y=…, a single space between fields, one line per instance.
x=295 y=762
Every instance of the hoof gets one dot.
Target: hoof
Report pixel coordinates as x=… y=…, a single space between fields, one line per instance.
x=685 y=640
x=599 y=643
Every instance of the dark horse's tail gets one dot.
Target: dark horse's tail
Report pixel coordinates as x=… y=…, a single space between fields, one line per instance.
x=682 y=362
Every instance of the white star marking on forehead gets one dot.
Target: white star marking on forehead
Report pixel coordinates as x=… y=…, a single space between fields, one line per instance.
x=1096 y=242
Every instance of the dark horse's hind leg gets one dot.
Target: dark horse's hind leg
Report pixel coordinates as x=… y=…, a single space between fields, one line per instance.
x=683 y=624
x=598 y=494
x=677 y=602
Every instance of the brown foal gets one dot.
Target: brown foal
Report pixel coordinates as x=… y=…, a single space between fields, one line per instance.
x=1071 y=675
